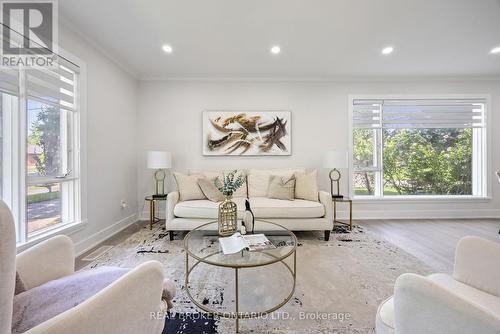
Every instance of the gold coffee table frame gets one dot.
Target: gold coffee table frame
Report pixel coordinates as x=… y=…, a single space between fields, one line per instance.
x=237 y=315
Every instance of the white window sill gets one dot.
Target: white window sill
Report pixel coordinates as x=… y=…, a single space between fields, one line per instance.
x=422 y=199
x=66 y=229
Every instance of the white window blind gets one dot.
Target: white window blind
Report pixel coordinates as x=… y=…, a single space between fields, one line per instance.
x=404 y=114
x=9 y=81
x=53 y=86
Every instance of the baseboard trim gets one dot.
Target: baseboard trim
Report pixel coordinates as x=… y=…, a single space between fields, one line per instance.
x=88 y=243
x=423 y=214
x=394 y=214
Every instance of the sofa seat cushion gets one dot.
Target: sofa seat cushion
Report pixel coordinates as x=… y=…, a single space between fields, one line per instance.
x=467 y=292
x=37 y=305
x=205 y=208
x=385 y=320
x=264 y=207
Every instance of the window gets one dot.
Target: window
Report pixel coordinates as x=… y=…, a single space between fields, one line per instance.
x=39 y=143
x=425 y=147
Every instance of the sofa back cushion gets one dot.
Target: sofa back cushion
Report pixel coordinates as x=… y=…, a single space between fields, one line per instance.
x=306 y=186
x=211 y=175
x=258 y=179
x=188 y=187
x=282 y=187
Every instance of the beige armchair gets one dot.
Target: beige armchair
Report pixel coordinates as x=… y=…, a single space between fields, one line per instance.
x=130 y=304
x=466 y=302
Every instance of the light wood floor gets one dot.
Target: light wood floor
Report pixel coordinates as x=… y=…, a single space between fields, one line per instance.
x=432 y=240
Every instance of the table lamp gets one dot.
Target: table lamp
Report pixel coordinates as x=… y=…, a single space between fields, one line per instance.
x=160 y=161
x=334 y=160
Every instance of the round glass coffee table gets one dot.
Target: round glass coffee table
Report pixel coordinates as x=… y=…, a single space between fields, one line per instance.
x=195 y=246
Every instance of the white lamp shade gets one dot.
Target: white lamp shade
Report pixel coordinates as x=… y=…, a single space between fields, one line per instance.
x=336 y=159
x=159 y=160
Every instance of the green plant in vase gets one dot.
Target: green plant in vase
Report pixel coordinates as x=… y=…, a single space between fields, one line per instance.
x=228 y=211
x=229 y=183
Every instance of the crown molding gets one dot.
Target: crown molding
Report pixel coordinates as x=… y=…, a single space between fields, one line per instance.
x=70 y=26
x=331 y=79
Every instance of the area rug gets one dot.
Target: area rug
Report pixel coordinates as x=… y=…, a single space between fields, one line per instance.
x=189 y=323
x=340 y=282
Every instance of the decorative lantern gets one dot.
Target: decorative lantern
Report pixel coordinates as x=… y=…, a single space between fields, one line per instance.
x=228 y=214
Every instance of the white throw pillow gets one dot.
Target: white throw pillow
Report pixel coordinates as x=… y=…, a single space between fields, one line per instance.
x=210 y=175
x=258 y=180
x=306 y=186
x=188 y=187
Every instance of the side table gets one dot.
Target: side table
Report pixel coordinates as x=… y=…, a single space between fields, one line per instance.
x=152 y=209
x=342 y=200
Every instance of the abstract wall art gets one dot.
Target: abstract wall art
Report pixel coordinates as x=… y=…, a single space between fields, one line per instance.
x=246 y=132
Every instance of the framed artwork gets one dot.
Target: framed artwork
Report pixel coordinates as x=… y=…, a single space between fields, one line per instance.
x=247 y=132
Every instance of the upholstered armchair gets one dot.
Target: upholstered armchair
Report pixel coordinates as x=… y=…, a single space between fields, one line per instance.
x=108 y=300
x=466 y=302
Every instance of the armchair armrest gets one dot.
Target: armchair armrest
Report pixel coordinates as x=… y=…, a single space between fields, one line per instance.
x=476 y=264
x=51 y=259
x=129 y=305
x=422 y=306
x=326 y=199
x=172 y=200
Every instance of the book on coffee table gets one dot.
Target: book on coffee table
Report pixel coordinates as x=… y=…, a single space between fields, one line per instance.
x=251 y=242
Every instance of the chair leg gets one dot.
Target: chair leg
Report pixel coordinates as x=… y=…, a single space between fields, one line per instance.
x=327 y=235
x=171 y=235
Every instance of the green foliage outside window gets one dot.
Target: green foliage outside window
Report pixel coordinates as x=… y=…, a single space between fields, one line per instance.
x=417 y=161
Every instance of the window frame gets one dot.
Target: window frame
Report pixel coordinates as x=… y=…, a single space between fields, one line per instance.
x=19 y=160
x=379 y=196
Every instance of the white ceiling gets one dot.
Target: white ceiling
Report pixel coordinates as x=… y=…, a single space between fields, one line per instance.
x=318 y=38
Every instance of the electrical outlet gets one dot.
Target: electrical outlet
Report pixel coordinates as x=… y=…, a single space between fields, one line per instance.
x=123 y=204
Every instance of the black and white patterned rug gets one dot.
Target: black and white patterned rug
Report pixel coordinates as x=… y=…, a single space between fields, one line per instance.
x=340 y=282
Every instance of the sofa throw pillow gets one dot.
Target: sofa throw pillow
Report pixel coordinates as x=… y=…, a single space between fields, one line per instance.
x=20 y=287
x=258 y=180
x=210 y=175
x=281 y=187
x=188 y=187
x=210 y=190
x=306 y=186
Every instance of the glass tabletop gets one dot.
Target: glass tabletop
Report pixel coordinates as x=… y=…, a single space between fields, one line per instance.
x=202 y=243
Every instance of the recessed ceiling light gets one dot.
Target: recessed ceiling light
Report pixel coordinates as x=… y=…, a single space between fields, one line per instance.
x=495 y=50
x=167 y=48
x=275 y=50
x=387 y=50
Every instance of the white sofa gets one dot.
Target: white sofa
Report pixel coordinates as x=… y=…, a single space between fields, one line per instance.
x=466 y=302
x=296 y=215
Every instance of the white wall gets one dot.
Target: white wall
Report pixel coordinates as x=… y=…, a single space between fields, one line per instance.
x=110 y=162
x=170 y=118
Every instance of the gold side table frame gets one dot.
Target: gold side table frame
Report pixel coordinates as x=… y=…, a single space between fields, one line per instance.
x=342 y=200
x=237 y=315
x=152 y=209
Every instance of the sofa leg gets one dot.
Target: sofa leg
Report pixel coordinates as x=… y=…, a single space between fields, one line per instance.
x=171 y=235
x=327 y=235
